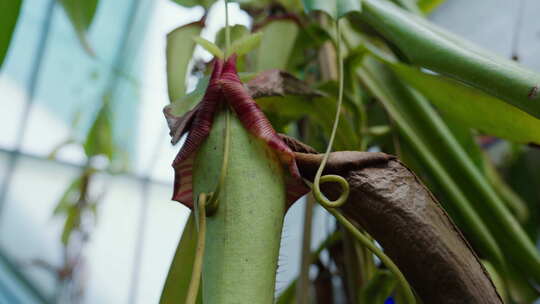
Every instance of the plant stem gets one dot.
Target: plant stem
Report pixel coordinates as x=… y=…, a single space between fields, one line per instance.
x=365 y=241
x=227 y=30
x=303 y=277
x=213 y=203
x=319 y=196
x=193 y=289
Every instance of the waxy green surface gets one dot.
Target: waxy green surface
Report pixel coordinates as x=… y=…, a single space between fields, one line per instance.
x=243 y=236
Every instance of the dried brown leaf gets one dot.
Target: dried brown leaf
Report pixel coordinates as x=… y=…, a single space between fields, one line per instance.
x=393 y=206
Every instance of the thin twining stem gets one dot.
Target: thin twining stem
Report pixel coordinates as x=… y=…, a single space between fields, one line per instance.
x=193 y=289
x=213 y=202
x=319 y=196
x=330 y=205
x=227 y=30
x=366 y=242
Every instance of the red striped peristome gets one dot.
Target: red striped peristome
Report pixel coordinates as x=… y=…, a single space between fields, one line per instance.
x=225 y=86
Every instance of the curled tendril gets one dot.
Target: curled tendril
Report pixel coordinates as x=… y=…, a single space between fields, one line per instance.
x=319 y=178
x=319 y=196
x=331 y=205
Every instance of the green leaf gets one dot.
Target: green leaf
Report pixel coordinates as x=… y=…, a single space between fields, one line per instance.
x=71 y=223
x=320 y=110
x=237 y=32
x=423 y=139
x=496 y=278
x=69 y=197
x=288 y=296
x=379 y=288
x=99 y=140
x=473 y=107
x=432 y=47
x=421 y=125
x=209 y=46
x=179 y=51
x=409 y=5
x=188 y=102
x=177 y=282
x=276 y=44
x=192 y=3
x=246 y=44
x=512 y=200
x=81 y=13
x=9 y=13
x=427 y=6
x=334 y=8
x=60 y=146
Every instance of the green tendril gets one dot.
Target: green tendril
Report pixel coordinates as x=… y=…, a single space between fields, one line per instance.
x=227 y=30
x=330 y=205
x=319 y=196
x=213 y=202
x=366 y=242
x=201 y=206
x=193 y=289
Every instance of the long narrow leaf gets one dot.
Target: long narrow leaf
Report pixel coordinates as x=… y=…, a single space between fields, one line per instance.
x=431 y=47
x=473 y=107
x=177 y=283
x=210 y=47
x=375 y=78
x=510 y=235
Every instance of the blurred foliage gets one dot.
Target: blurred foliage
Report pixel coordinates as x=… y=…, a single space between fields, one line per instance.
x=81 y=13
